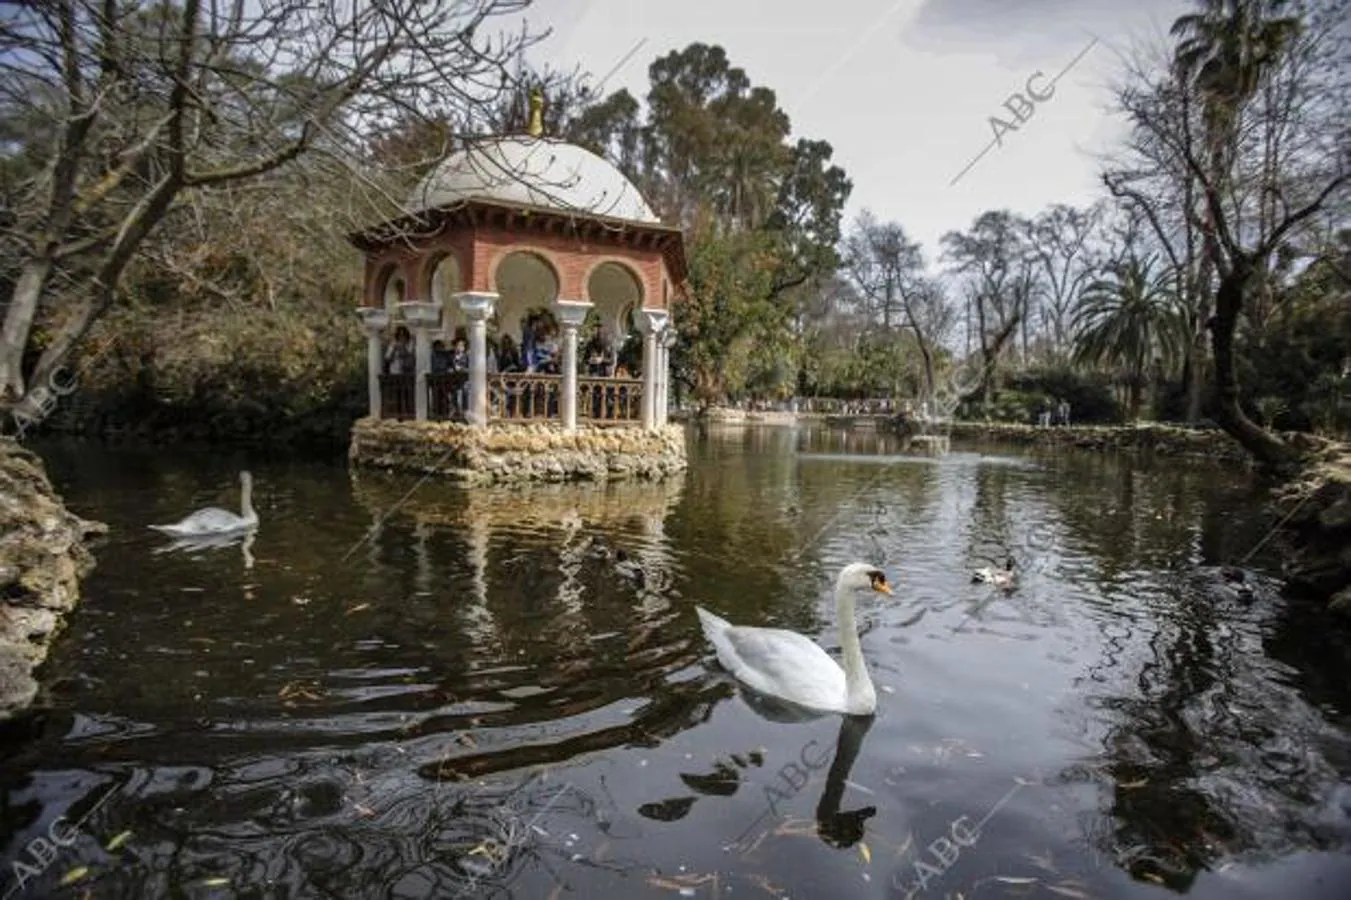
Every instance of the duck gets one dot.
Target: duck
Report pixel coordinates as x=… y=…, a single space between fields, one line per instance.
x=1004 y=579
x=216 y=521
x=791 y=667
x=630 y=569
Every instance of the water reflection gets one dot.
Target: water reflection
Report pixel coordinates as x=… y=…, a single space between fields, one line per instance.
x=836 y=827
x=201 y=543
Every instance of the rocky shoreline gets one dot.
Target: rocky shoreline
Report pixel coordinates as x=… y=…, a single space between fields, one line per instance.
x=43 y=558
x=1315 y=517
x=1149 y=437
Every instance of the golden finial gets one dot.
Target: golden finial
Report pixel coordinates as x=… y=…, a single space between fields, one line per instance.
x=536 y=113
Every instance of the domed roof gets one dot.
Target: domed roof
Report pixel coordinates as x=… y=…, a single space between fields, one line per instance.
x=540 y=172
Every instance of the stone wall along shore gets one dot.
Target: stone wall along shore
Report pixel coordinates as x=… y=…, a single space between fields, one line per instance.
x=1316 y=511
x=1164 y=440
x=43 y=558
x=519 y=453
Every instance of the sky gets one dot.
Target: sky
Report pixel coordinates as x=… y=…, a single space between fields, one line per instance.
x=903 y=90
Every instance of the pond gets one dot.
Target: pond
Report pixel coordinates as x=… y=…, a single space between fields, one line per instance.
x=401 y=689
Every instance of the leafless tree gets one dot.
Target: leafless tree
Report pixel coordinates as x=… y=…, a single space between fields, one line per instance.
x=117 y=114
x=1284 y=172
x=1060 y=239
x=886 y=268
x=998 y=273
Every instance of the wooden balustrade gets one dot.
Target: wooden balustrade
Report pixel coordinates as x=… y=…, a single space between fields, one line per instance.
x=397 y=394
x=609 y=400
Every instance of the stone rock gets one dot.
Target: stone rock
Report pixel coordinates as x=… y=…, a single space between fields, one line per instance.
x=43 y=557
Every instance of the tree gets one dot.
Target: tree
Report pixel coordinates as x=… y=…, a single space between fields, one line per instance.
x=1224 y=52
x=1059 y=238
x=127 y=109
x=1128 y=320
x=761 y=214
x=1279 y=175
x=998 y=274
x=887 y=270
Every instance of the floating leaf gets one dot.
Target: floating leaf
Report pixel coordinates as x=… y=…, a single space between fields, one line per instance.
x=358 y=608
x=214 y=882
x=1066 y=891
x=1132 y=785
x=74 y=875
x=864 y=852
x=118 y=841
x=364 y=811
x=1015 y=879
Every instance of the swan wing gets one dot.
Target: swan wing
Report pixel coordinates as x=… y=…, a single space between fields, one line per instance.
x=211 y=520
x=784 y=664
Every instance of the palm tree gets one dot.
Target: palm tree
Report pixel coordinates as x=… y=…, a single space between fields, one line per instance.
x=1128 y=319
x=1224 y=51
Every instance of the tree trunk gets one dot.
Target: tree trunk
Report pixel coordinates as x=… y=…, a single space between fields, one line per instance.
x=1266 y=448
x=1196 y=383
x=23 y=306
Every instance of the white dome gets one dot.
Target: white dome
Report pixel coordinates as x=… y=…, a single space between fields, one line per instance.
x=535 y=172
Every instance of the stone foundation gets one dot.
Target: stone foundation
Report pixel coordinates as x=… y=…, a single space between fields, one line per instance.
x=506 y=453
x=42 y=560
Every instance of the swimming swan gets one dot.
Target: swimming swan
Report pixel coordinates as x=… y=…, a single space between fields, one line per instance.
x=792 y=667
x=214 y=520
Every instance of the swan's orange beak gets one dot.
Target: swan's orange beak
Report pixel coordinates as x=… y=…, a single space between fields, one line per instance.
x=881 y=587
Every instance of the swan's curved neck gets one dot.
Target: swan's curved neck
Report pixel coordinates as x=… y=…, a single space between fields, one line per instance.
x=246 y=501
x=858 y=685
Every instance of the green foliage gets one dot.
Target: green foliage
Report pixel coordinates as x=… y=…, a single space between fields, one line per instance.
x=1090 y=395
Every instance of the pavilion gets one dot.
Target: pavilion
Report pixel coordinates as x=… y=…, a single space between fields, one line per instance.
x=509 y=238
x=507 y=227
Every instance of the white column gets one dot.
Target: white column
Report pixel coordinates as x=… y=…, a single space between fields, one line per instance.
x=664 y=395
x=571 y=314
x=422 y=317
x=477 y=307
x=650 y=322
x=374 y=320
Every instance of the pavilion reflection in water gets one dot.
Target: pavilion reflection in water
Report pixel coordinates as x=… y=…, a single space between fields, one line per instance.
x=570 y=520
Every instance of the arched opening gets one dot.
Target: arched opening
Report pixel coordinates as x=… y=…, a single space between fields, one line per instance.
x=525 y=280
x=392 y=289
x=614 y=288
x=446 y=282
x=629 y=347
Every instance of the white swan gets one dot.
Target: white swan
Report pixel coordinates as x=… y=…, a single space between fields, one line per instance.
x=792 y=667
x=214 y=520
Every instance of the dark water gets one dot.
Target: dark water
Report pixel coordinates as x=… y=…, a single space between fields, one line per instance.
x=462 y=701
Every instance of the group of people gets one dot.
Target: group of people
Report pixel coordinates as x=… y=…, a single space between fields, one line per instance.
x=1060 y=415
x=538 y=352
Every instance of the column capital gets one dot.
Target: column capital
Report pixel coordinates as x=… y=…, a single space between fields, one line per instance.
x=651 y=321
x=477 y=306
x=572 y=313
x=420 y=314
x=667 y=338
x=373 y=318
